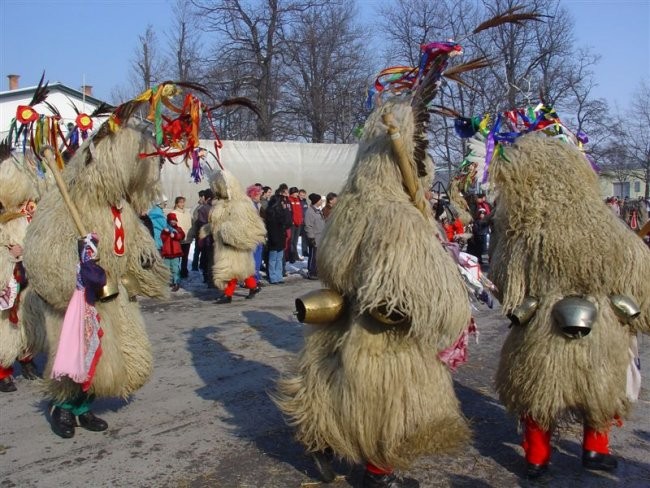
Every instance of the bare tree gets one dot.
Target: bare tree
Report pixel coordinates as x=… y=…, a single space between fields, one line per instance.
x=635 y=135
x=147 y=66
x=183 y=44
x=250 y=38
x=326 y=74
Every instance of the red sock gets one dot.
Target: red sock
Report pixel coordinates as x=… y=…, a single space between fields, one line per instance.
x=229 y=291
x=376 y=469
x=537 y=443
x=250 y=282
x=596 y=441
x=6 y=372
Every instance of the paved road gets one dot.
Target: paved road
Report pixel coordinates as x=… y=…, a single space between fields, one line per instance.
x=205 y=419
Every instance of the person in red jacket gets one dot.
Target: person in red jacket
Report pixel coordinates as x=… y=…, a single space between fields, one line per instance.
x=172 y=251
x=298 y=221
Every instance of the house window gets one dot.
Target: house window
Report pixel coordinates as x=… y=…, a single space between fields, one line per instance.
x=621 y=189
x=637 y=187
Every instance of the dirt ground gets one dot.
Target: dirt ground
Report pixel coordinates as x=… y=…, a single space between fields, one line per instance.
x=205 y=418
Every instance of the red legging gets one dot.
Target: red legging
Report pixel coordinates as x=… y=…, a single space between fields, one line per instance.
x=250 y=283
x=377 y=470
x=6 y=372
x=537 y=442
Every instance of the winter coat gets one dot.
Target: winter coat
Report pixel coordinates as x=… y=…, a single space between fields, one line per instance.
x=159 y=222
x=277 y=221
x=171 y=242
x=296 y=211
x=314 y=224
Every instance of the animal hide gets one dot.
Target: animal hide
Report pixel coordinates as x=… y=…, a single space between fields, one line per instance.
x=370 y=391
x=554 y=237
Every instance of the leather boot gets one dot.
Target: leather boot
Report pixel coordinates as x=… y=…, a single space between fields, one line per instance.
x=322 y=460
x=223 y=299
x=91 y=422
x=63 y=422
x=253 y=292
x=7 y=385
x=29 y=370
x=390 y=480
x=595 y=451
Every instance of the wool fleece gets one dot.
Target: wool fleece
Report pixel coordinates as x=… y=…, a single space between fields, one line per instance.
x=369 y=391
x=237 y=230
x=554 y=237
x=103 y=178
x=18 y=188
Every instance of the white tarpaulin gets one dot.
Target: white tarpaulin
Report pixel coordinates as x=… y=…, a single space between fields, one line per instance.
x=318 y=168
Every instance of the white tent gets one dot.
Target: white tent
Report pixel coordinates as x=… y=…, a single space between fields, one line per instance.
x=318 y=168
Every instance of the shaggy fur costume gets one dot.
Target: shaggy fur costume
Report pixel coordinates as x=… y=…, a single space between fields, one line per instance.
x=553 y=237
x=237 y=230
x=109 y=174
x=17 y=186
x=369 y=391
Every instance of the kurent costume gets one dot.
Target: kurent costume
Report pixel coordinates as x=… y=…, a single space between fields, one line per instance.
x=576 y=298
x=111 y=180
x=237 y=230
x=369 y=384
x=18 y=193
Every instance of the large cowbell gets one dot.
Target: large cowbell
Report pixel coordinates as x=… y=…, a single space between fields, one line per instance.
x=575 y=315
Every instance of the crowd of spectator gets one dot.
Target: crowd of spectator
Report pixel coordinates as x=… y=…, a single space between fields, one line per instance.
x=294 y=222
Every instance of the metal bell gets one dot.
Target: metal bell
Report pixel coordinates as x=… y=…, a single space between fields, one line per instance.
x=320 y=307
x=394 y=318
x=109 y=291
x=131 y=286
x=523 y=312
x=575 y=316
x=625 y=308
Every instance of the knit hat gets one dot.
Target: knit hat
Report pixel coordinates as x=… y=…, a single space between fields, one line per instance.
x=314 y=198
x=171 y=216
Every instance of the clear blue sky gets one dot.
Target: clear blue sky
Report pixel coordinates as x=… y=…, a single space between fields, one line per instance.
x=96 y=39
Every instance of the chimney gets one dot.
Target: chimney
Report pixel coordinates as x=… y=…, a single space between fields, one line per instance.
x=13 y=81
x=87 y=90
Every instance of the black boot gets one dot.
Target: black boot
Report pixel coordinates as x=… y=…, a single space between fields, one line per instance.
x=598 y=462
x=7 y=384
x=322 y=460
x=535 y=470
x=89 y=421
x=29 y=370
x=63 y=423
x=371 y=480
x=223 y=299
x=252 y=292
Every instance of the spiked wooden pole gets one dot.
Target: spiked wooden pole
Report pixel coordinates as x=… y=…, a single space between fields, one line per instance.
x=411 y=183
x=48 y=156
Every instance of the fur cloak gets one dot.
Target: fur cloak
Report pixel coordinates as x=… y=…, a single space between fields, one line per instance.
x=553 y=237
x=100 y=175
x=237 y=230
x=17 y=186
x=367 y=390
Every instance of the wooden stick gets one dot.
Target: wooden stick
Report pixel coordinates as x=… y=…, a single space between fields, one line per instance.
x=645 y=230
x=48 y=156
x=411 y=183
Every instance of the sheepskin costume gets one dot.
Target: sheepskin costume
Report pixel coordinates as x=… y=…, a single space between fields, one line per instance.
x=373 y=392
x=105 y=176
x=237 y=230
x=17 y=189
x=554 y=237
